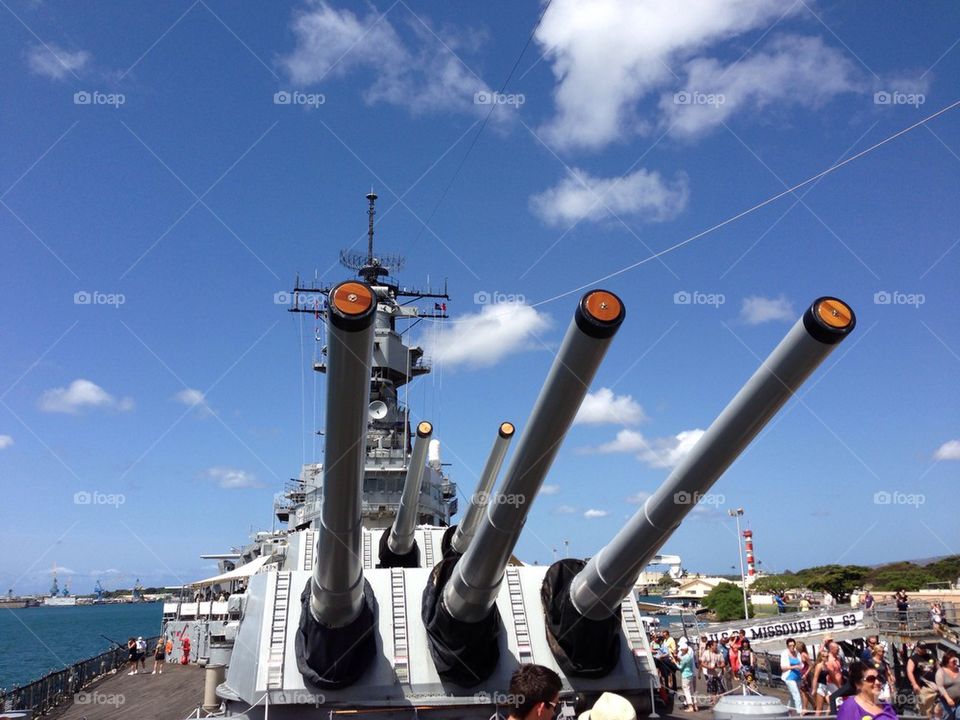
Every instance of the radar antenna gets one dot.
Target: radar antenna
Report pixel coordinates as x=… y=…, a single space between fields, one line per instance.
x=369 y=266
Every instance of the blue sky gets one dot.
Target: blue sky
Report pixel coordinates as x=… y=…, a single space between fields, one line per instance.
x=148 y=159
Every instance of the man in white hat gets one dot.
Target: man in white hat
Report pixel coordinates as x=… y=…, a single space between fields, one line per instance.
x=610 y=706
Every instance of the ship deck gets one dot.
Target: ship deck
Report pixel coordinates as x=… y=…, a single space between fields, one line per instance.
x=173 y=695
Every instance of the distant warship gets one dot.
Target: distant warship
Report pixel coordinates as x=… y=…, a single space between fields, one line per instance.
x=370 y=602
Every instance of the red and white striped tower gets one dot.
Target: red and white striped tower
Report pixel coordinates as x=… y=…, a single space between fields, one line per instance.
x=748 y=543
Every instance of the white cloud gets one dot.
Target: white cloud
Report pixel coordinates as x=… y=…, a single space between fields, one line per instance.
x=656 y=452
x=484 y=338
x=605 y=407
x=607 y=55
x=642 y=195
x=5 y=441
x=638 y=498
x=593 y=514
x=81 y=395
x=565 y=510
x=231 y=478
x=549 y=489
x=54 y=62
x=791 y=70
x=194 y=399
x=424 y=75
x=950 y=450
x=757 y=309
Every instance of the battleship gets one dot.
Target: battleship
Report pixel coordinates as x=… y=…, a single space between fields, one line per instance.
x=371 y=601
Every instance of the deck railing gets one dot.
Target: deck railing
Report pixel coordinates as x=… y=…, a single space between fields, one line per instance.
x=60 y=686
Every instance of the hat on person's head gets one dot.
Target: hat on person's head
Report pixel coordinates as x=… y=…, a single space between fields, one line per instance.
x=610 y=706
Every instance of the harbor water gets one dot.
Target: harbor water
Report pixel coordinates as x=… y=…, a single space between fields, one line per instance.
x=35 y=641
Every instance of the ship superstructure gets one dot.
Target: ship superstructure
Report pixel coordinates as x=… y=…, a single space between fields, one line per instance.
x=370 y=603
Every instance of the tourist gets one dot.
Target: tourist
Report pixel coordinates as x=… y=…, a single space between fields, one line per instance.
x=806 y=687
x=820 y=681
x=828 y=600
x=868 y=601
x=159 y=656
x=866 y=704
x=804 y=604
x=867 y=653
x=724 y=647
x=712 y=663
x=903 y=605
x=839 y=676
x=922 y=674
x=142 y=653
x=790 y=665
x=736 y=642
x=534 y=693
x=948 y=685
x=746 y=665
x=879 y=663
x=670 y=643
x=688 y=677
x=936 y=617
x=609 y=706
x=132 y=655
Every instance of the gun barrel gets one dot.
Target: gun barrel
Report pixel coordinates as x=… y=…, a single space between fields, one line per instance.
x=337 y=584
x=401 y=537
x=597 y=590
x=478 y=503
x=473 y=586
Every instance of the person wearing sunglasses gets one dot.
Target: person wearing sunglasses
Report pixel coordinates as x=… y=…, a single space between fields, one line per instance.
x=948 y=685
x=534 y=693
x=866 y=704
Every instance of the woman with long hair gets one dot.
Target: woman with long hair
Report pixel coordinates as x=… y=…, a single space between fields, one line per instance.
x=819 y=681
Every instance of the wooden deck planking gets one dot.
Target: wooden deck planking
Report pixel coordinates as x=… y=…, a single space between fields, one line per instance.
x=172 y=695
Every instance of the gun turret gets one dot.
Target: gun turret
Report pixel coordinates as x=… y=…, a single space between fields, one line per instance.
x=459 y=610
x=335 y=640
x=398 y=547
x=478 y=503
x=584 y=601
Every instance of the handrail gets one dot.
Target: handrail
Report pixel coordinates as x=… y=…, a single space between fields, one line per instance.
x=59 y=686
